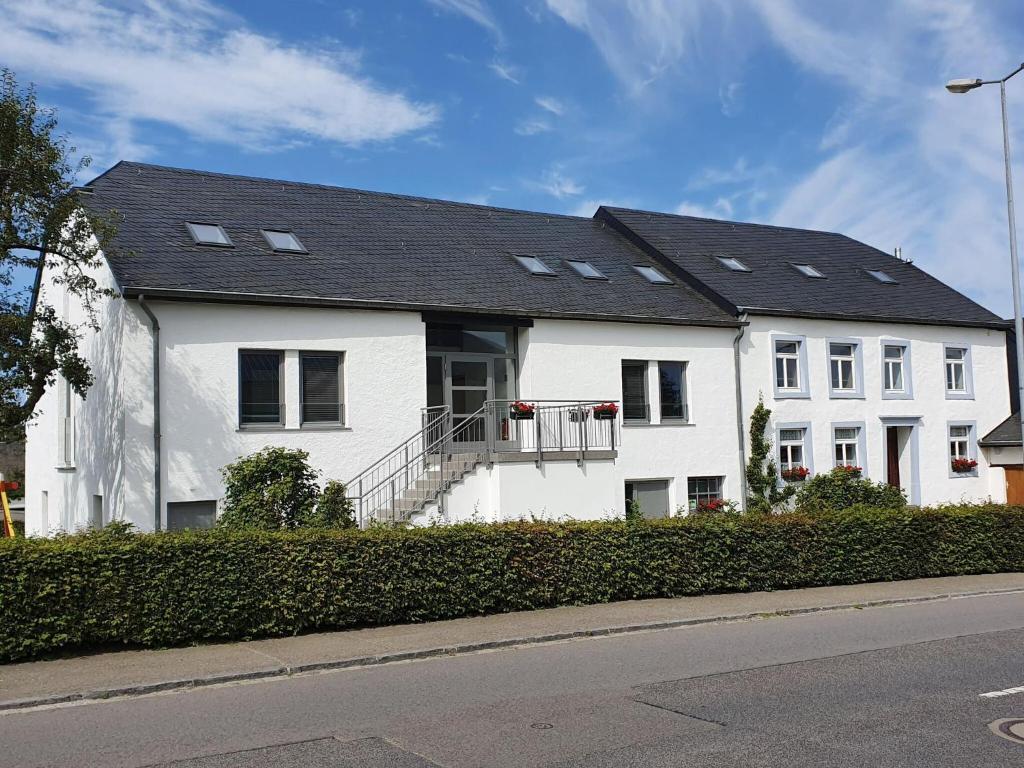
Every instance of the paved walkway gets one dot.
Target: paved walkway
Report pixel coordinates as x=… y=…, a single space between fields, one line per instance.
x=123 y=673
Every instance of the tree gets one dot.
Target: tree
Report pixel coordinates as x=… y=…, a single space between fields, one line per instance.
x=271 y=489
x=764 y=495
x=42 y=226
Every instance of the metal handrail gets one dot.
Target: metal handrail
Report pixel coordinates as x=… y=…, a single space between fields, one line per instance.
x=412 y=437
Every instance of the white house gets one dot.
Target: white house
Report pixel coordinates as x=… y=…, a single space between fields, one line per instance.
x=393 y=337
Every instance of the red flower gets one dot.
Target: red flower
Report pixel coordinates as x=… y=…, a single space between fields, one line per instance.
x=611 y=408
x=793 y=474
x=520 y=407
x=963 y=465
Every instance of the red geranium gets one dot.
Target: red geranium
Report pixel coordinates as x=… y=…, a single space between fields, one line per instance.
x=963 y=465
x=520 y=407
x=611 y=408
x=794 y=474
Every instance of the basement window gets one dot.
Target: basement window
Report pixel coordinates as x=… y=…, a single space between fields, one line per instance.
x=534 y=266
x=283 y=240
x=881 y=276
x=807 y=270
x=208 y=234
x=587 y=270
x=653 y=276
x=732 y=263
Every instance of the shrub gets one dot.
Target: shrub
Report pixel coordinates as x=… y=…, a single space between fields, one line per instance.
x=844 y=487
x=764 y=494
x=193 y=586
x=333 y=509
x=633 y=512
x=272 y=489
x=715 y=507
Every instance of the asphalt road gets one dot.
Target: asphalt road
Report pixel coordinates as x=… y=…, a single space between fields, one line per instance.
x=896 y=686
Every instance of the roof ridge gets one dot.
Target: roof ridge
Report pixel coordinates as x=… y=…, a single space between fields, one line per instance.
x=337 y=188
x=733 y=221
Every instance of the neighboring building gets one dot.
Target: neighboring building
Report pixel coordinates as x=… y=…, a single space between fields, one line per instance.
x=389 y=335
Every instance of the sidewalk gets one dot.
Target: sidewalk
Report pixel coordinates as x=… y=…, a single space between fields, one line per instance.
x=125 y=673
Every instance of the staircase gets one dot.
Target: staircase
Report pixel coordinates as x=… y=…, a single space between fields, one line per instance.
x=419 y=472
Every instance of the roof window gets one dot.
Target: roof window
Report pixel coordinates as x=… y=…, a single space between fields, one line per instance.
x=586 y=269
x=807 y=270
x=283 y=240
x=732 y=263
x=652 y=275
x=208 y=234
x=881 y=276
x=535 y=266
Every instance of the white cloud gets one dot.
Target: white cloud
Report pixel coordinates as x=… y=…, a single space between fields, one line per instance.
x=555 y=183
x=504 y=71
x=532 y=126
x=474 y=10
x=191 y=65
x=551 y=104
x=729 y=99
x=721 y=209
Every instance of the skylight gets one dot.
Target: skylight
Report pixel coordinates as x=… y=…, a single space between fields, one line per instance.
x=732 y=263
x=208 y=234
x=652 y=275
x=283 y=240
x=535 y=266
x=807 y=270
x=587 y=270
x=880 y=276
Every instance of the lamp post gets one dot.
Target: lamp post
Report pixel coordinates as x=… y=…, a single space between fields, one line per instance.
x=963 y=86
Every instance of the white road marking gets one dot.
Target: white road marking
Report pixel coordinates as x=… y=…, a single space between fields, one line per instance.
x=1004 y=692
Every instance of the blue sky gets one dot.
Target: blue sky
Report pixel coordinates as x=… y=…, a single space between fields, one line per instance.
x=818 y=114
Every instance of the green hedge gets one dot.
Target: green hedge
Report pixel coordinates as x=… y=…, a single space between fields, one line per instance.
x=174 y=588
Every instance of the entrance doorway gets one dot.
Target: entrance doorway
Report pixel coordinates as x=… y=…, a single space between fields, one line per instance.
x=900 y=449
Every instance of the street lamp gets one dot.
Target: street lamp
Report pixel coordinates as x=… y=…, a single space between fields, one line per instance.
x=963 y=86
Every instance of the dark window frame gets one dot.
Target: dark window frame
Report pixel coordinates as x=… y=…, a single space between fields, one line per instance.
x=198 y=241
x=685 y=416
x=694 y=494
x=277 y=249
x=281 y=404
x=646 y=418
x=340 y=356
x=575 y=264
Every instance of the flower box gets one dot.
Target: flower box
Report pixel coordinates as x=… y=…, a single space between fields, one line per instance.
x=963 y=466
x=520 y=411
x=795 y=474
x=605 y=411
x=850 y=470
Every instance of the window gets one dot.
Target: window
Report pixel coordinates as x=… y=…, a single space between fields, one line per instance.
x=321 y=387
x=208 y=234
x=791 y=448
x=535 y=266
x=459 y=338
x=841 y=363
x=672 y=386
x=283 y=240
x=956 y=369
x=44 y=513
x=845 y=441
x=96 y=512
x=587 y=270
x=787 y=364
x=959 y=441
x=653 y=276
x=733 y=263
x=893 y=362
x=651 y=495
x=191 y=514
x=701 y=490
x=634 y=391
x=880 y=276
x=259 y=394
x=65 y=424
x=807 y=270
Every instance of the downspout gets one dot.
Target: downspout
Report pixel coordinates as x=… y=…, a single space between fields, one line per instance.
x=157 y=508
x=740 y=432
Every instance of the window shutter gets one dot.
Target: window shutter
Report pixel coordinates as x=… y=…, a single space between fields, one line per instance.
x=634 y=391
x=321 y=390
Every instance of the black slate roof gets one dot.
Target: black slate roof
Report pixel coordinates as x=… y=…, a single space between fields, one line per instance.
x=372 y=249
x=689 y=245
x=1007 y=433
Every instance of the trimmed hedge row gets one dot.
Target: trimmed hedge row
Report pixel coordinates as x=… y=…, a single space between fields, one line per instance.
x=174 y=588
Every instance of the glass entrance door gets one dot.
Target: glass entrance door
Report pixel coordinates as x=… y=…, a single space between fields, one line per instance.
x=470 y=383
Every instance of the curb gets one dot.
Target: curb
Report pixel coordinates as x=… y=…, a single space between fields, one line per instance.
x=143 y=689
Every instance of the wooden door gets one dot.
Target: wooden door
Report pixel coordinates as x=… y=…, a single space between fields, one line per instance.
x=1014 y=485
x=892 y=454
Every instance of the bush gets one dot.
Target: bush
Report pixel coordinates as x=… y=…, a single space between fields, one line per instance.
x=333 y=509
x=102 y=588
x=272 y=489
x=843 y=488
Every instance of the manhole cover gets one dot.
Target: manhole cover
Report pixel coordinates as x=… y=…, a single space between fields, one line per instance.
x=1010 y=728
x=542 y=726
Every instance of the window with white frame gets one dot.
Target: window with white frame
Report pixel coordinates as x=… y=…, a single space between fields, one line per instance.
x=893 y=364
x=843 y=366
x=959 y=442
x=702 y=490
x=845 y=440
x=791 y=448
x=956 y=369
x=787 y=365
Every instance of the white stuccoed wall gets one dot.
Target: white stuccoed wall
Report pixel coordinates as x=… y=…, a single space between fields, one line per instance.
x=990 y=406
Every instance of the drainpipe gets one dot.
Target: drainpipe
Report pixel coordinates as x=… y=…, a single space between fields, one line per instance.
x=740 y=432
x=157 y=509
